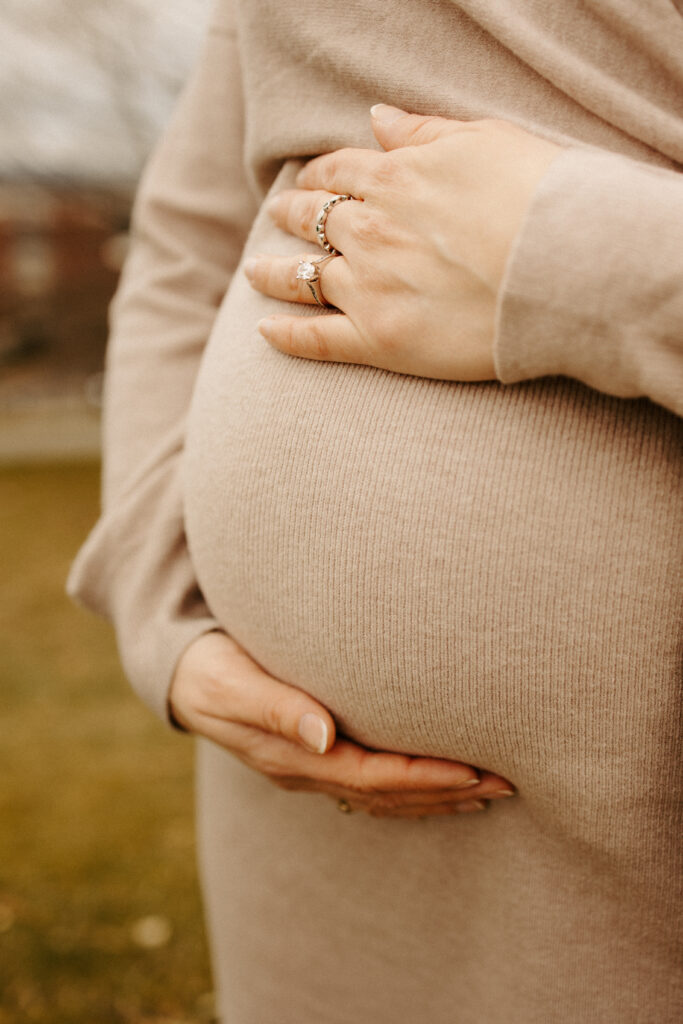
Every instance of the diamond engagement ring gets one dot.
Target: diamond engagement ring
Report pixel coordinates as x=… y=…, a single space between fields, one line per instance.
x=320 y=223
x=309 y=271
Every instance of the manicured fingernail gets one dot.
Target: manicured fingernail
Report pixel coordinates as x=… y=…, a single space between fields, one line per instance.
x=470 y=805
x=501 y=792
x=468 y=783
x=266 y=326
x=386 y=115
x=250 y=268
x=313 y=733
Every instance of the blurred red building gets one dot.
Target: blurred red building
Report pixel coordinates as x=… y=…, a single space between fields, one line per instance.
x=60 y=254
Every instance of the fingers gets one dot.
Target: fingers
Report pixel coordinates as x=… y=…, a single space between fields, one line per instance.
x=216 y=684
x=295 y=770
x=346 y=171
x=492 y=787
x=355 y=770
x=428 y=811
x=328 y=338
x=277 y=276
x=296 y=211
x=382 y=785
x=395 y=128
x=280 y=731
x=366 y=779
x=358 y=172
x=282 y=711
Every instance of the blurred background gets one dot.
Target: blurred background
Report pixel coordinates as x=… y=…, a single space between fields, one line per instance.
x=99 y=908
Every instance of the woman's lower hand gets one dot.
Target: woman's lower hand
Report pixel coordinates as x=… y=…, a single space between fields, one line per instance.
x=221 y=693
x=423 y=254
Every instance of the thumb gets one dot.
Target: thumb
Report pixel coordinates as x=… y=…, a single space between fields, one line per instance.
x=395 y=128
x=287 y=711
x=216 y=681
x=315 y=731
x=283 y=710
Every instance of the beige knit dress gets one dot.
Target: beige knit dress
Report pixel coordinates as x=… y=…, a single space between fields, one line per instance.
x=485 y=572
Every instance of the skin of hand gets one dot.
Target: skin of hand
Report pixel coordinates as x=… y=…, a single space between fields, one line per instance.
x=423 y=253
x=220 y=692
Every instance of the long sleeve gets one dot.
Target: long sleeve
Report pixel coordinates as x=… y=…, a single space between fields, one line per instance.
x=191 y=217
x=594 y=285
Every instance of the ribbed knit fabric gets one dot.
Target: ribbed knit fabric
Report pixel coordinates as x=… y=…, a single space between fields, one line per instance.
x=487 y=572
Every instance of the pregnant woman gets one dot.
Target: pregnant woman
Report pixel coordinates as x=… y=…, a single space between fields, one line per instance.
x=416 y=554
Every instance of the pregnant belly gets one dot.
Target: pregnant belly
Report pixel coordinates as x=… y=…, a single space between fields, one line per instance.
x=461 y=570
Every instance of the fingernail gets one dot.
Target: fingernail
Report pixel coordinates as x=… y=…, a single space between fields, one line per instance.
x=265 y=326
x=468 y=783
x=470 y=805
x=250 y=268
x=386 y=115
x=313 y=733
x=502 y=792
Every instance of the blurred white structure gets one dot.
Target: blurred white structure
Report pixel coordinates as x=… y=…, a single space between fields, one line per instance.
x=86 y=85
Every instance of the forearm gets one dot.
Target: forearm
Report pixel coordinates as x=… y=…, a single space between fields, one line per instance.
x=191 y=216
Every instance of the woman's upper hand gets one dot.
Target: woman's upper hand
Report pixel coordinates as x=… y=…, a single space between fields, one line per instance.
x=423 y=254
x=219 y=692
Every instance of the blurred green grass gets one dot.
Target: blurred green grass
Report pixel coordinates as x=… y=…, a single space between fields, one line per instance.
x=99 y=908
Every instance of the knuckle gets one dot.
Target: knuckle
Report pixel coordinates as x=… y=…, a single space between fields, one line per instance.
x=371 y=229
x=291 y=288
x=426 y=131
x=394 y=174
x=272 y=279
x=288 y=338
x=214 y=691
x=388 y=327
x=326 y=168
x=336 y=162
x=366 y=781
x=273 y=715
x=303 y=219
x=317 y=342
x=385 y=172
x=258 y=751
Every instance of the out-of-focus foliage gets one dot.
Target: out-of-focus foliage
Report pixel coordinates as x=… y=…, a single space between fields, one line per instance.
x=99 y=911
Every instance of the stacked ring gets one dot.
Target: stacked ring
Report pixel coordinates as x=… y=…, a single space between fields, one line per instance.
x=320 y=224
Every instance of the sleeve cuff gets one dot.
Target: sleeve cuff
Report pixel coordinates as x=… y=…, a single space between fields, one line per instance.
x=593 y=288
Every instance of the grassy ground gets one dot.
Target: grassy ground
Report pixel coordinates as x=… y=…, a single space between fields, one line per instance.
x=99 y=909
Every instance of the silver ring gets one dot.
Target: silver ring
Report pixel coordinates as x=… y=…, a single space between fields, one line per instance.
x=309 y=272
x=321 y=221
